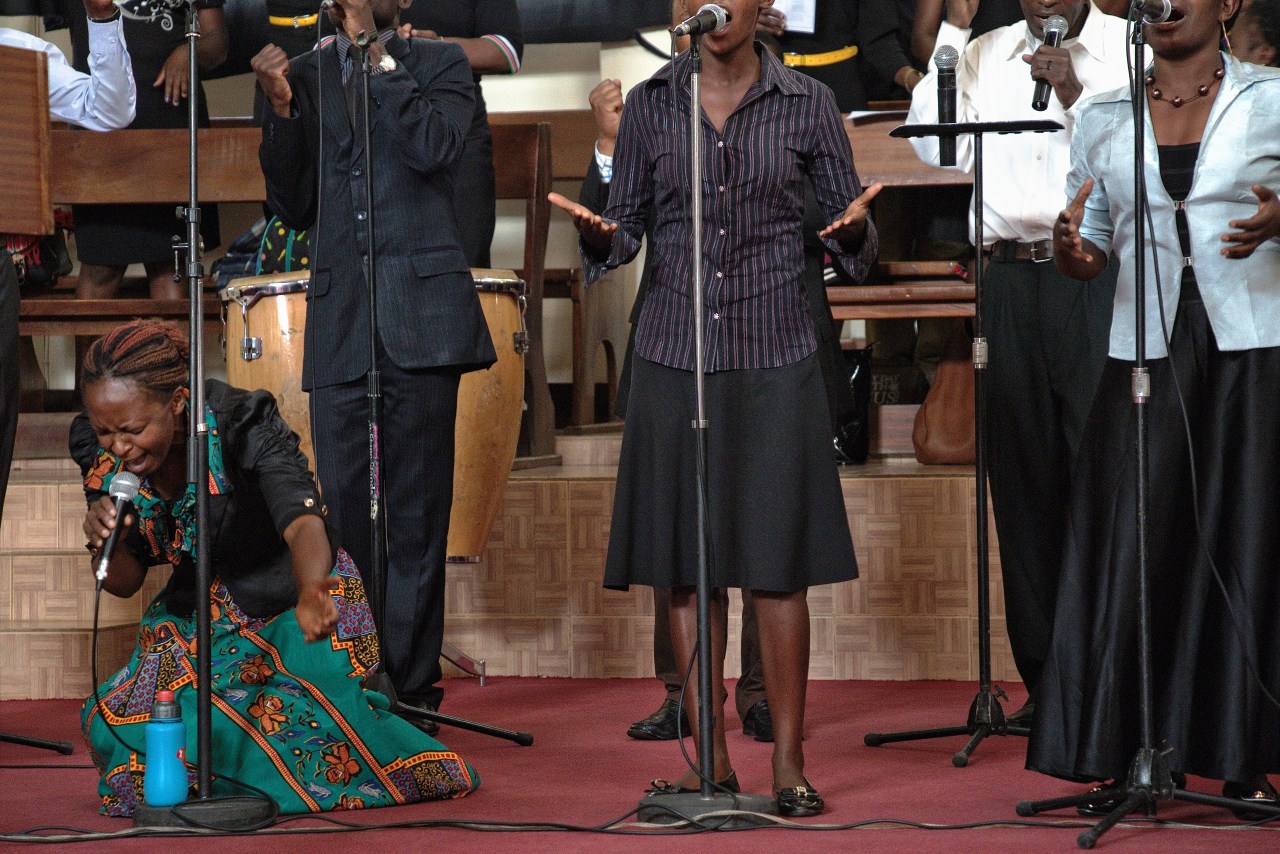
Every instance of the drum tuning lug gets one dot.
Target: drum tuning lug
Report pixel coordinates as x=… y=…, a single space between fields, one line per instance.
x=250 y=348
x=520 y=341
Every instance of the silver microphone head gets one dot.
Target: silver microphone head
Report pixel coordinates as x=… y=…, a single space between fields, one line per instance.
x=124 y=485
x=327 y=4
x=1056 y=24
x=946 y=58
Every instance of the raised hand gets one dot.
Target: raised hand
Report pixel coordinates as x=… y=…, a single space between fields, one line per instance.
x=851 y=225
x=1257 y=229
x=959 y=13
x=271 y=67
x=771 y=22
x=606 y=106
x=595 y=230
x=1067 y=241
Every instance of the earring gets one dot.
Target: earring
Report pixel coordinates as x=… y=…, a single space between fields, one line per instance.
x=1226 y=39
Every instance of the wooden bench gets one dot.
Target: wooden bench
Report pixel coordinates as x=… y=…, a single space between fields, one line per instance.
x=905 y=289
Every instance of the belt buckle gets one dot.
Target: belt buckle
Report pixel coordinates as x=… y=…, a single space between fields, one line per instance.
x=1035 y=251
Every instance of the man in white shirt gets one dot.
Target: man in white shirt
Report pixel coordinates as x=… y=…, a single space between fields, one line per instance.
x=1047 y=334
x=104 y=99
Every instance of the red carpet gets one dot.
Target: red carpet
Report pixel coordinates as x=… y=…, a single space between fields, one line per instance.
x=583 y=770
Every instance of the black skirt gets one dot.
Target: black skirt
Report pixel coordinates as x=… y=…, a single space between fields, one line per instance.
x=1207 y=705
x=776 y=513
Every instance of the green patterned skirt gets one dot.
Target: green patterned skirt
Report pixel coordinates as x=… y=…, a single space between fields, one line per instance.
x=290 y=718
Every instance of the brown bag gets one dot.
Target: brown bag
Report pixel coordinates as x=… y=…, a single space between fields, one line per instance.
x=944 y=427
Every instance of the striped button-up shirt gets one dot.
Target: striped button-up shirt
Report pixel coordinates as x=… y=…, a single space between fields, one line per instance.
x=786 y=126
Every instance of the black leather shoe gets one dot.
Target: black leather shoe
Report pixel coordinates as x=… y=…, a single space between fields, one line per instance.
x=799 y=802
x=1024 y=716
x=1261 y=793
x=1101 y=806
x=759 y=722
x=430 y=727
x=661 y=725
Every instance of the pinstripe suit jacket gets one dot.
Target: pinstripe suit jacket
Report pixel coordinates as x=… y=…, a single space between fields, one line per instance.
x=428 y=314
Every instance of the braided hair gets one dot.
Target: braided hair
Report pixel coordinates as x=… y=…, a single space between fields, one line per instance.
x=151 y=353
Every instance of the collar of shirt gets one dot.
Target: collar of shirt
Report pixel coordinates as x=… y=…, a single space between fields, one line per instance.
x=344 y=49
x=773 y=74
x=1092 y=39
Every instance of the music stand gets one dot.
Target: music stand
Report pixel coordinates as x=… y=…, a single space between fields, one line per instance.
x=986 y=715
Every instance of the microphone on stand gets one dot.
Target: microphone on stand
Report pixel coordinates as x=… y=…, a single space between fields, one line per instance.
x=946 y=58
x=1152 y=11
x=709 y=19
x=124 y=488
x=1054 y=30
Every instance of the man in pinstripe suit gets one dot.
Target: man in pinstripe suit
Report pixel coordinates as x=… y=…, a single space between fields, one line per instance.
x=429 y=328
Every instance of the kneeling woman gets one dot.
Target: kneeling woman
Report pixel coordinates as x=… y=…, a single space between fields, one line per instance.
x=292 y=630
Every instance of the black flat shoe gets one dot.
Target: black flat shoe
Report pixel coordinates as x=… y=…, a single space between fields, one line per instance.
x=661 y=725
x=800 y=801
x=759 y=722
x=662 y=787
x=406 y=712
x=1101 y=806
x=1260 y=794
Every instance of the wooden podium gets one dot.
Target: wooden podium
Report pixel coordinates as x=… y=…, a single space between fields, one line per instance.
x=25 y=201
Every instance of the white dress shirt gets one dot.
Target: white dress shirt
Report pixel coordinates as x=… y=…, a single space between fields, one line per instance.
x=103 y=99
x=1024 y=173
x=1238 y=150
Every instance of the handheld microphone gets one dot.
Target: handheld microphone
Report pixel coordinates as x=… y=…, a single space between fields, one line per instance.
x=709 y=19
x=946 y=58
x=327 y=4
x=124 y=488
x=1054 y=29
x=1151 y=11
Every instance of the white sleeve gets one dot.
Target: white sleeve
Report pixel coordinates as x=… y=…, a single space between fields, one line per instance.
x=103 y=99
x=924 y=99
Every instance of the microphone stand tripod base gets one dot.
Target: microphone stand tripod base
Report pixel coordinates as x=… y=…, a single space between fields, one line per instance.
x=232 y=814
x=692 y=807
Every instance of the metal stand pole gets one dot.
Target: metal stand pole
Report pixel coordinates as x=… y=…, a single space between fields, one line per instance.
x=986 y=715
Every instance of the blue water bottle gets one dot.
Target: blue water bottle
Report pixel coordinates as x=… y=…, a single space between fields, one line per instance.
x=165 y=781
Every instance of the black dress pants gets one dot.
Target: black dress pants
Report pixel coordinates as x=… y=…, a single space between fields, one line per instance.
x=750 y=687
x=9 y=378
x=418 y=413
x=1048 y=337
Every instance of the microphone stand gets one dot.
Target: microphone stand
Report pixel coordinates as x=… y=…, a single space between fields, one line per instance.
x=380 y=681
x=241 y=812
x=986 y=715
x=692 y=806
x=1149 y=779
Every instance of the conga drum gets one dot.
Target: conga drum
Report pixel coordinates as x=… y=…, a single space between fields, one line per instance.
x=263 y=318
x=488 y=423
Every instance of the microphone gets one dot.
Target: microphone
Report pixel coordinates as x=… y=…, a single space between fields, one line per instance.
x=710 y=19
x=327 y=4
x=1054 y=29
x=1152 y=11
x=946 y=58
x=124 y=488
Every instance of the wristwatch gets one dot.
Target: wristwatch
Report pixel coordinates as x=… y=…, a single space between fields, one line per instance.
x=387 y=63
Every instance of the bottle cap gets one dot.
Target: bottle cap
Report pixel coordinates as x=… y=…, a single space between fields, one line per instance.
x=165 y=707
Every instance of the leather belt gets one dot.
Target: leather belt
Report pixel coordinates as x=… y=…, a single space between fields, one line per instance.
x=831 y=57
x=1037 y=251
x=297 y=21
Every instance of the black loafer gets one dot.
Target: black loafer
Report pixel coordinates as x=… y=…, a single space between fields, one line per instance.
x=406 y=712
x=1023 y=717
x=661 y=725
x=759 y=722
x=1101 y=806
x=1257 y=794
x=800 y=801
